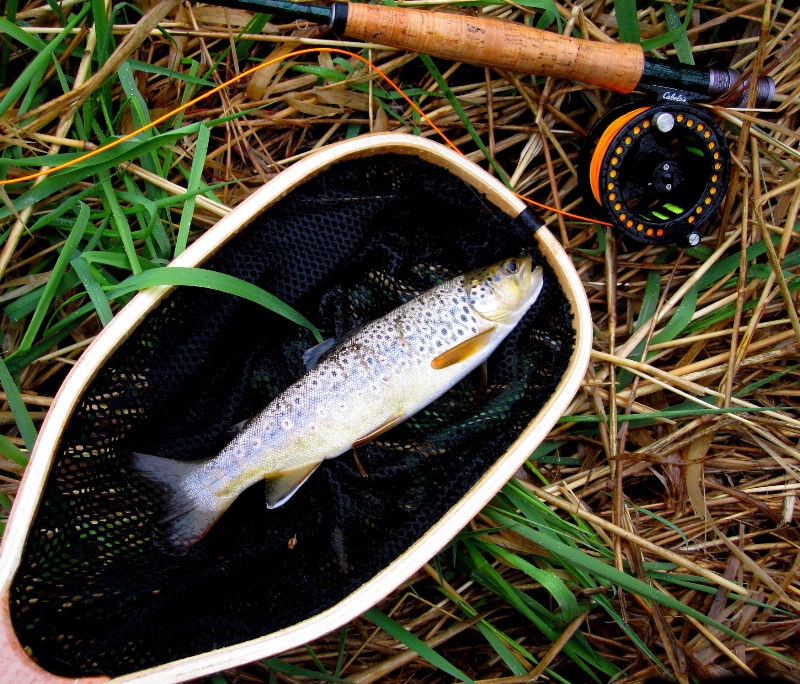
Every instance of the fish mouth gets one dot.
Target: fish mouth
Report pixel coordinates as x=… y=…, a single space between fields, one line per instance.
x=531 y=282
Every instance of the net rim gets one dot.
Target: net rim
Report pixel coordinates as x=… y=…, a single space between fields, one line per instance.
x=125 y=322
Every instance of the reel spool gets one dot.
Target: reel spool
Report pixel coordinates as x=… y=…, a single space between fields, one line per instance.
x=659 y=173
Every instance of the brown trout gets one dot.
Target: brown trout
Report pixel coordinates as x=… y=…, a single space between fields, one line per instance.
x=363 y=385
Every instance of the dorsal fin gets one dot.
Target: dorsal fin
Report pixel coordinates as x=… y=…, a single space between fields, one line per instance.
x=313 y=354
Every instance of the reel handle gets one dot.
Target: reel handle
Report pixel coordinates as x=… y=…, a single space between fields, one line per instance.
x=485 y=41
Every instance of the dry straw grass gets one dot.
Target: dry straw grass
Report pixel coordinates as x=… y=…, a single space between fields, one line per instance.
x=711 y=490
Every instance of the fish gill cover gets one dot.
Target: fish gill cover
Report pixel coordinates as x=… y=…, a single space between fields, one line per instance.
x=96 y=591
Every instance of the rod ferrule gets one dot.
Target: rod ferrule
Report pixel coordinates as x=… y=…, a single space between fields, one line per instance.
x=338 y=20
x=720 y=81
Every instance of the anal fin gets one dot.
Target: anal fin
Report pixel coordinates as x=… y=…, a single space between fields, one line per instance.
x=463 y=350
x=378 y=431
x=282 y=485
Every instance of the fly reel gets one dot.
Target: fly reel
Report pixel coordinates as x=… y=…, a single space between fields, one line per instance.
x=659 y=173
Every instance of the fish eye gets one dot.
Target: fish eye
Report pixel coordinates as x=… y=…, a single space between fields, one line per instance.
x=511 y=266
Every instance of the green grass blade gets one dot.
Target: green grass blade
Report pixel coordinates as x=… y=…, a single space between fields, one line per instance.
x=14 y=32
x=17 y=406
x=38 y=64
x=119 y=221
x=192 y=186
x=342 y=650
x=497 y=643
x=53 y=283
x=682 y=47
x=222 y=282
x=12 y=452
x=567 y=603
x=18 y=360
x=627 y=582
x=415 y=644
x=459 y=110
x=627 y=21
x=670 y=36
x=680 y=319
x=294 y=670
x=764 y=381
x=663 y=521
x=604 y=603
x=649 y=299
x=482 y=572
x=146 y=68
x=103 y=162
x=549 y=12
x=94 y=290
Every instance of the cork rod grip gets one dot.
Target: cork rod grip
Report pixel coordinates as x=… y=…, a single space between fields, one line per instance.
x=500 y=44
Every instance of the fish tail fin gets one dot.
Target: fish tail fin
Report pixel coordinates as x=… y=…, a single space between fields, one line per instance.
x=188 y=512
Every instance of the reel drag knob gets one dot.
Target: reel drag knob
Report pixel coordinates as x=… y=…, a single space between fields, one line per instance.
x=658 y=173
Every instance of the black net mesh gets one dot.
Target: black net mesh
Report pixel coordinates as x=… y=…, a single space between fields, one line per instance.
x=96 y=592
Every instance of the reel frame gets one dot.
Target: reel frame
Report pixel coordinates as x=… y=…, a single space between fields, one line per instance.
x=658 y=172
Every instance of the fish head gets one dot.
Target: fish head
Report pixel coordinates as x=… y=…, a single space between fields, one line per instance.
x=504 y=291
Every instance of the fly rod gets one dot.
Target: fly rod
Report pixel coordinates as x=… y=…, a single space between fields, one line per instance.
x=657 y=167
x=489 y=42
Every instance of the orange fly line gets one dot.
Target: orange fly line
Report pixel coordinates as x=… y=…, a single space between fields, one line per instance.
x=244 y=74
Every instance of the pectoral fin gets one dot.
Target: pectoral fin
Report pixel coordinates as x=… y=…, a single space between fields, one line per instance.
x=282 y=485
x=378 y=431
x=463 y=351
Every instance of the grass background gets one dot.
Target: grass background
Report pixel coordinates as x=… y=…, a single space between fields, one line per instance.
x=673 y=477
